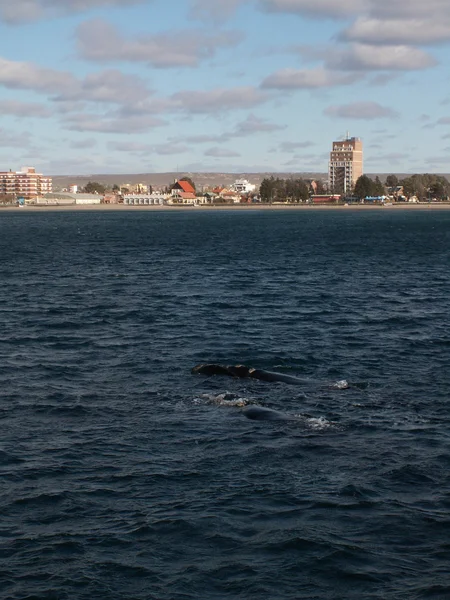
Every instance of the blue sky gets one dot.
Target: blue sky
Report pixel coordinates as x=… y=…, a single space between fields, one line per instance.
x=133 y=86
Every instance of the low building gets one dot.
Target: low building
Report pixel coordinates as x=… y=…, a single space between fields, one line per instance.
x=68 y=198
x=144 y=199
x=242 y=186
x=183 y=197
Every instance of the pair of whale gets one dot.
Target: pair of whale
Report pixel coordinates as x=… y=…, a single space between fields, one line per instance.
x=258 y=413
x=242 y=371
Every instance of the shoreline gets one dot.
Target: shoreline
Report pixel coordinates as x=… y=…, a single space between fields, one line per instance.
x=234 y=207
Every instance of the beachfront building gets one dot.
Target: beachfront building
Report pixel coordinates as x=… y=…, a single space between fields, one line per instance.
x=66 y=199
x=25 y=183
x=183 y=193
x=242 y=186
x=144 y=199
x=346 y=165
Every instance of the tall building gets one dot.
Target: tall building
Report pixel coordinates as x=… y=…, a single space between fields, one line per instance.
x=26 y=183
x=346 y=165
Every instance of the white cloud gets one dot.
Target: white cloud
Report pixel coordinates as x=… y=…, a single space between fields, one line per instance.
x=364 y=57
x=317 y=8
x=295 y=79
x=415 y=31
x=12 y=139
x=252 y=125
x=83 y=144
x=24 y=109
x=18 y=11
x=293 y=146
x=110 y=86
x=216 y=10
x=221 y=153
x=218 y=100
x=28 y=76
x=100 y=41
x=111 y=123
x=361 y=110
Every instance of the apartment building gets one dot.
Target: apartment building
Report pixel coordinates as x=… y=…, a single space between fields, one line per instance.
x=346 y=165
x=25 y=183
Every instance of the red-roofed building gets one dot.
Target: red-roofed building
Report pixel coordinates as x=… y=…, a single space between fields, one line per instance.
x=182 y=186
x=183 y=197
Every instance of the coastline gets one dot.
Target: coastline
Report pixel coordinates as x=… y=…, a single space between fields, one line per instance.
x=233 y=207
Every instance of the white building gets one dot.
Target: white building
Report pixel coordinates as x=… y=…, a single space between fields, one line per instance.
x=144 y=199
x=242 y=186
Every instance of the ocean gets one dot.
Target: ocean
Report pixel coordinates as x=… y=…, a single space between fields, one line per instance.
x=125 y=476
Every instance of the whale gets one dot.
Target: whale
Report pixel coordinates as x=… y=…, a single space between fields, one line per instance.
x=242 y=371
x=260 y=413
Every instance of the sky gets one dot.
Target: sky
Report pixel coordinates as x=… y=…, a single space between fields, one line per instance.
x=141 y=86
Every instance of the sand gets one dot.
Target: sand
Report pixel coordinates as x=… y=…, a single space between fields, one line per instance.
x=234 y=207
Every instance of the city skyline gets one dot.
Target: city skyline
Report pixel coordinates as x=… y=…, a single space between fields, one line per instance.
x=129 y=86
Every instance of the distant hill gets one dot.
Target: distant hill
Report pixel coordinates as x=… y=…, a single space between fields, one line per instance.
x=201 y=180
x=160 y=180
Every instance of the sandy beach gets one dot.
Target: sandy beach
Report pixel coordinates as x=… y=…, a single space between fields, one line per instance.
x=233 y=207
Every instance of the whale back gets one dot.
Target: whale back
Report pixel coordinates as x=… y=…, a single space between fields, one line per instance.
x=260 y=413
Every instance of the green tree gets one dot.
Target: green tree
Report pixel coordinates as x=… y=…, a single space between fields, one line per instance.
x=363 y=187
x=94 y=188
x=391 y=181
x=378 y=187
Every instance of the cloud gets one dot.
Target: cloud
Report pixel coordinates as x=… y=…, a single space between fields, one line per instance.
x=361 y=110
x=378 y=9
x=437 y=160
x=111 y=123
x=204 y=139
x=394 y=158
x=102 y=42
x=24 y=109
x=141 y=148
x=253 y=124
x=28 y=76
x=221 y=153
x=294 y=79
x=132 y=147
x=364 y=57
x=110 y=86
x=293 y=146
x=413 y=31
x=19 y=11
x=216 y=10
x=170 y=148
x=10 y=139
x=83 y=144
x=218 y=100
x=315 y=8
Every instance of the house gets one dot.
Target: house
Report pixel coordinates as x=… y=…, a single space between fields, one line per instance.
x=182 y=186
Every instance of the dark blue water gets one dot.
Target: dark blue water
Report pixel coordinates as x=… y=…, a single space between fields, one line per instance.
x=121 y=479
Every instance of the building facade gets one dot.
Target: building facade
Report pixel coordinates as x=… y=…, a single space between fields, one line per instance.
x=25 y=183
x=346 y=165
x=242 y=186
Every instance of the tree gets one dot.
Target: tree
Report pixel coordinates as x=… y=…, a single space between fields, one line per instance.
x=115 y=188
x=94 y=188
x=378 y=187
x=363 y=187
x=391 y=181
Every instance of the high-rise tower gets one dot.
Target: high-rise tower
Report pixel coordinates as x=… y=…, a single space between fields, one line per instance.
x=346 y=165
